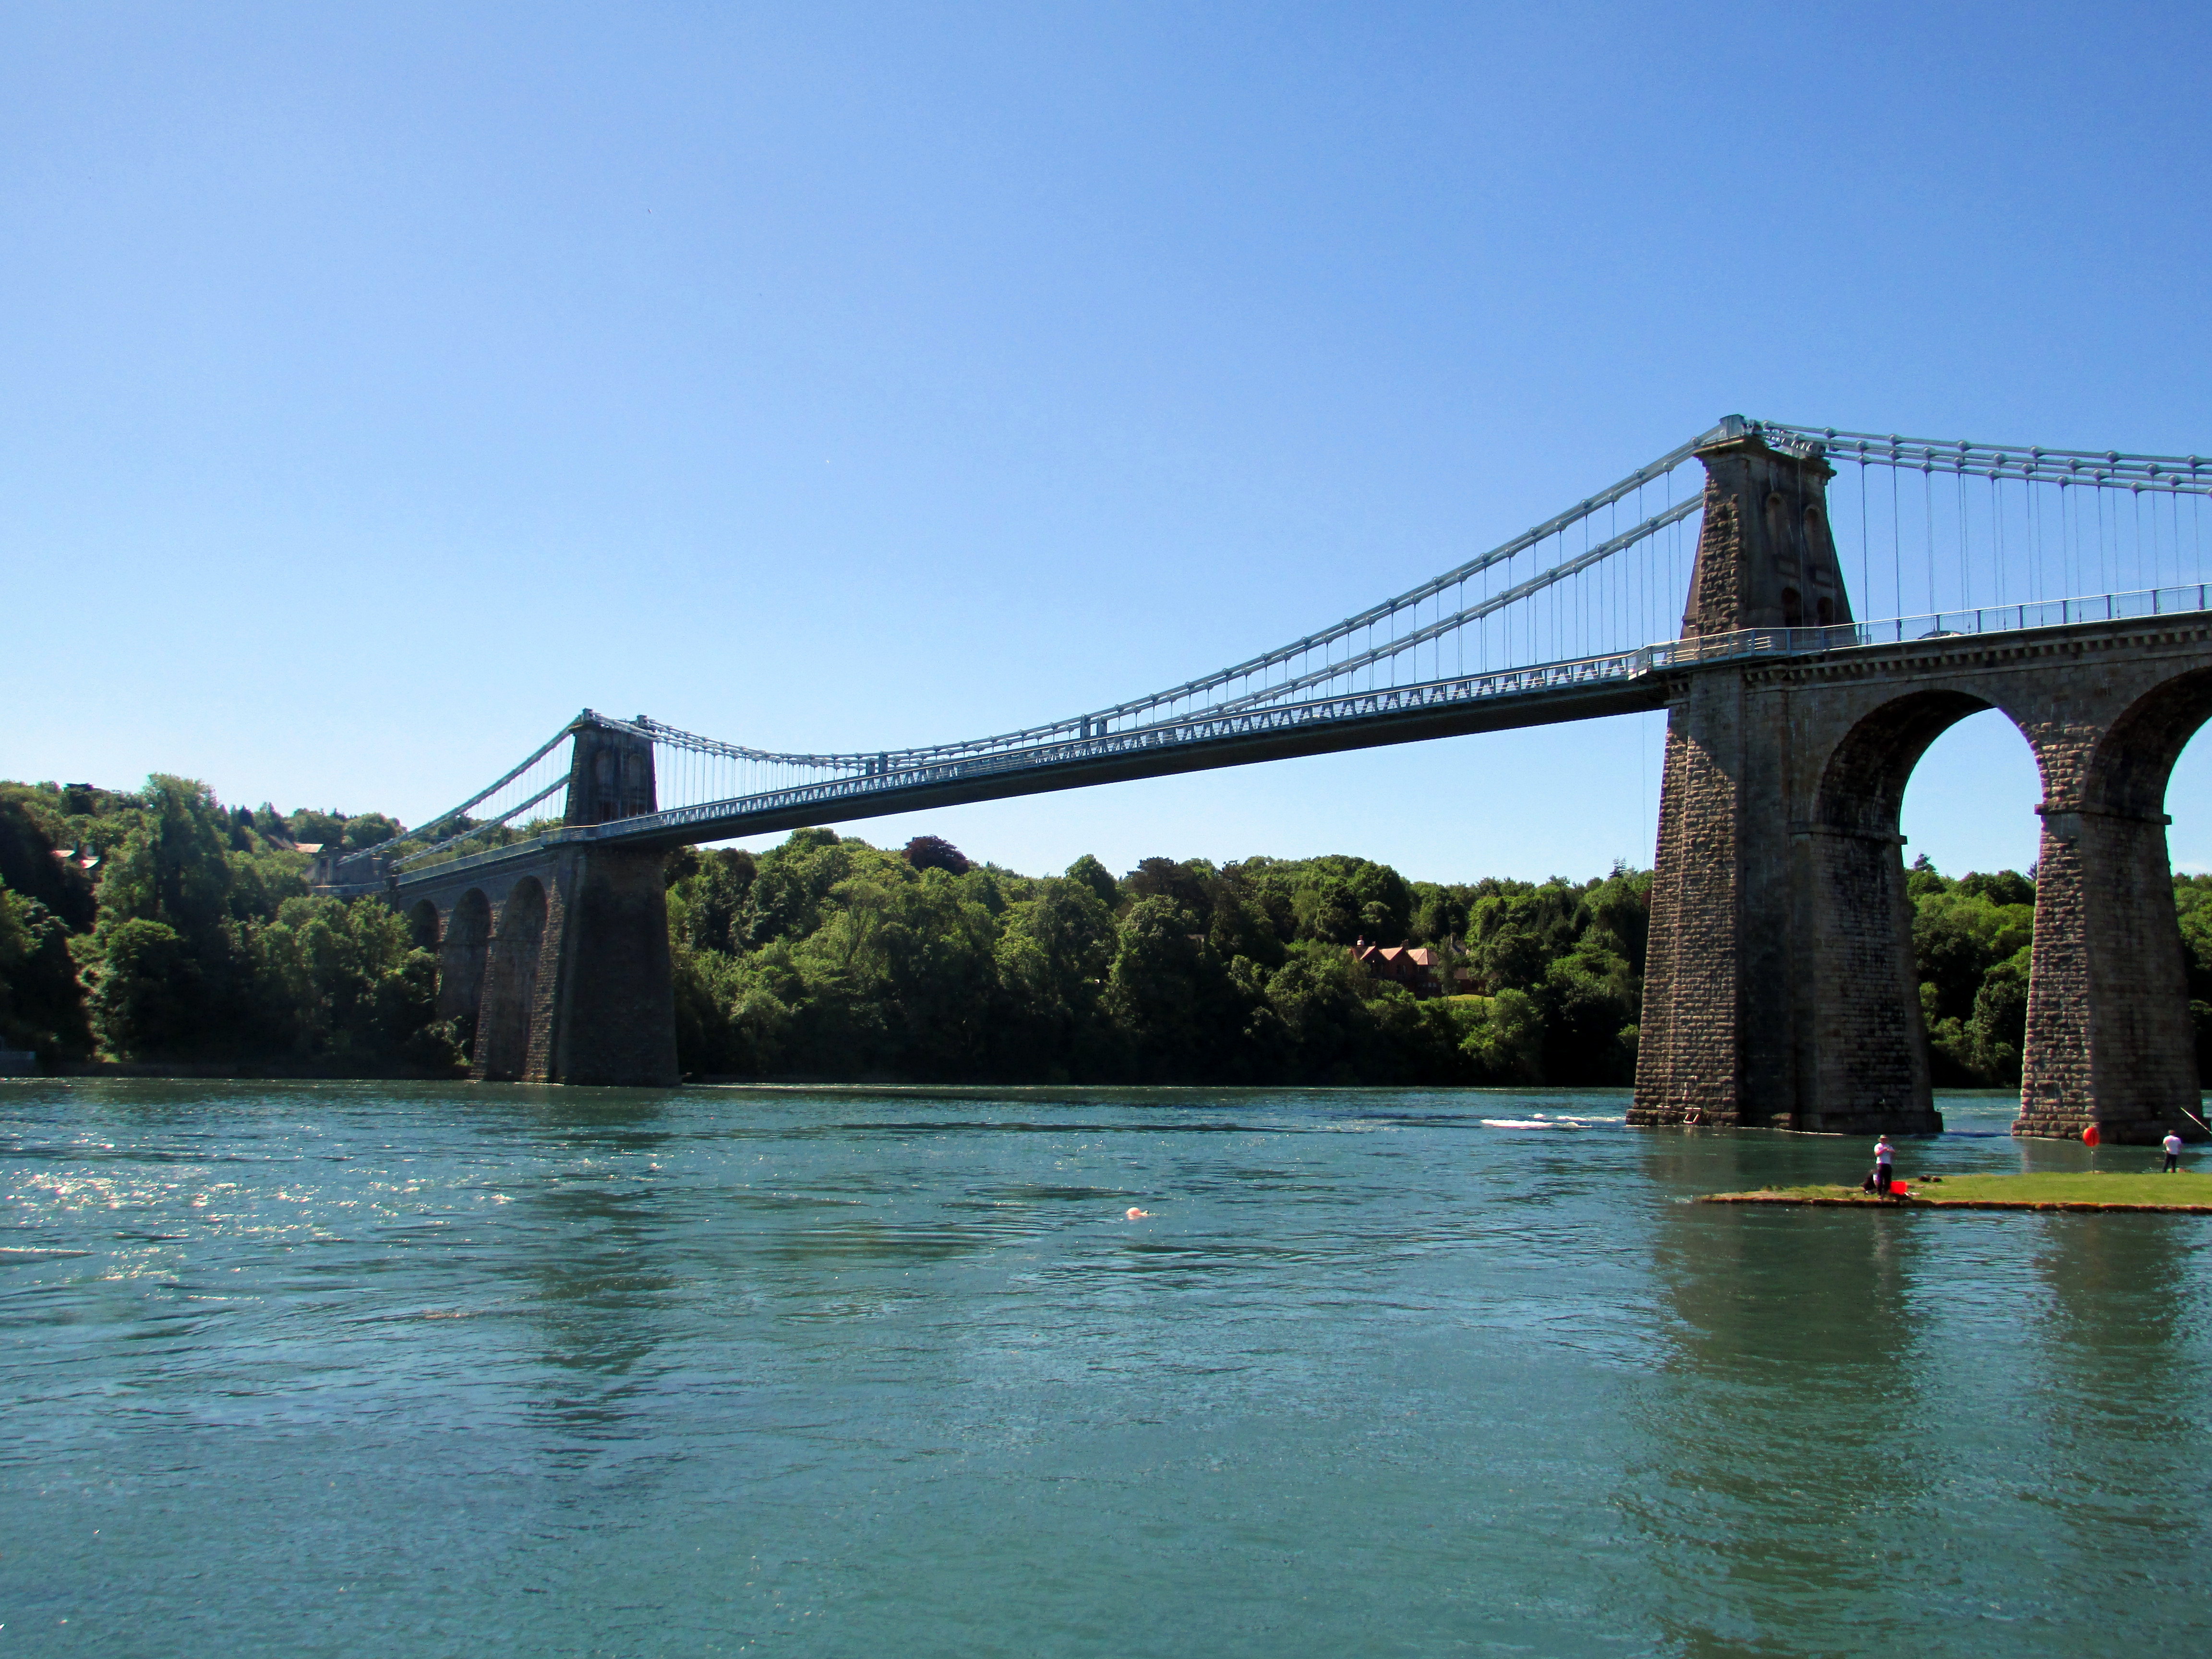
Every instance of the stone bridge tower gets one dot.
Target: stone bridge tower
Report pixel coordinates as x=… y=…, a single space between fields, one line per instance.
x=554 y=957
x=1765 y=558
x=1780 y=987
x=611 y=775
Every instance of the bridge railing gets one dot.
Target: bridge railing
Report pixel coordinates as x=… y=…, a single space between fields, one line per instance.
x=1249 y=722
x=1933 y=625
x=1580 y=673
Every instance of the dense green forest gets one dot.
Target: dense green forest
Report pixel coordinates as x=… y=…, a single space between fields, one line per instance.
x=828 y=956
x=159 y=925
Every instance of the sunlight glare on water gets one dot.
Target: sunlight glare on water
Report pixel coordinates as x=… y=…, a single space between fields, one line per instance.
x=432 y=1370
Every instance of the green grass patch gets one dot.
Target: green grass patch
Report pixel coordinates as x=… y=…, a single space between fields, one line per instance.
x=2148 y=1189
x=2088 y=1186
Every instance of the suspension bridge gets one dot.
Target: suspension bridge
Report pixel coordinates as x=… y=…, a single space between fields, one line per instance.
x=2070 y=588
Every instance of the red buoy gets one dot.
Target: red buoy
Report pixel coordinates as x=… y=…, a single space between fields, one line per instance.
x=2089 y=1136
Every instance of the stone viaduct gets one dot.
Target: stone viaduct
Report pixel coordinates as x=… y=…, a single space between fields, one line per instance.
x=555 y=958
x=1780 y=988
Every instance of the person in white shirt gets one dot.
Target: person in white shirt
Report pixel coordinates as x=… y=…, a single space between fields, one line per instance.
x=1885 y=1155
x=2173 y=1152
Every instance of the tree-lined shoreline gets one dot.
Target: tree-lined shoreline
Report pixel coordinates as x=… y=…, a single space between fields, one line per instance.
x=158 y=926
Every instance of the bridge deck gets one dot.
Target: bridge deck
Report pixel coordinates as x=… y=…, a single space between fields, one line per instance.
x=1552 y=694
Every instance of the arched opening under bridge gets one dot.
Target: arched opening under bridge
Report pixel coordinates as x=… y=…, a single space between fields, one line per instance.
x=2189 y=851
x=1971 y=841
x=1871 y=1018
x=462 y=953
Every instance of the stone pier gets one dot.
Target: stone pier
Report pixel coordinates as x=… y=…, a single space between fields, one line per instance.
x=1780 y=989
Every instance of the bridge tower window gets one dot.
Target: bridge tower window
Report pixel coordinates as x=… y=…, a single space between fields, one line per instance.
x=1777 y=522
x=1793 y=608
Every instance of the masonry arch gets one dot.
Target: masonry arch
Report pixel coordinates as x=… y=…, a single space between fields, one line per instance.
x=1862 y=785
x=1868 y=1039
x=2109 y=1020
x=2130 y=767
x=462 y=953
x=423 y=925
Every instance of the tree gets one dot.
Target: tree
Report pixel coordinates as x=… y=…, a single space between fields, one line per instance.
x=148 y=996
x=1184 y=885
x=1589 y=998
x=1512 y=957
x=367 y=830
x=172 y=866
x=1997 y=1032
x=1317 y=994
x=1439 y=912
x=346 y=980
x=707 y=900
x=1328 y=911
x=2003 y=888
x=935 y=853
x=1241 y=927
x=316 y=829
x=1154 y=990
x=41 y=1004
x=1972 y=946
x=1505 y=1045
x=1088 y=871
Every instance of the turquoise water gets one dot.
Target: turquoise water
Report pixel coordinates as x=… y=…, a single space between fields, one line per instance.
x=401 y=1371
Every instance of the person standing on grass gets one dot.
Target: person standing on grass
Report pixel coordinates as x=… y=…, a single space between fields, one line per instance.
x=1884 y=1155
x=2173 y=1152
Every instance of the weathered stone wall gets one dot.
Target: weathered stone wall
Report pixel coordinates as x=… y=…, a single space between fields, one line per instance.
x=561 y=955
x=561 y=950
x=611 y=776
x=2108 y=1000
x=507 y=1020
x=464 y=951
x=1689 y=1057
x=1867 y=1060
x=1807 y=877
x=611 y=1018
x=1766 y=555
x=2108 y=1016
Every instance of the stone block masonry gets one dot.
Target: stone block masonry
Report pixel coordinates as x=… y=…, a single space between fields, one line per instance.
x=553 y=956
x=562 y=954
x=1779 y=988
x=608 y=1015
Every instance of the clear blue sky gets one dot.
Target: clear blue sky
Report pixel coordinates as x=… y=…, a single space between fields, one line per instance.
x=379 y=384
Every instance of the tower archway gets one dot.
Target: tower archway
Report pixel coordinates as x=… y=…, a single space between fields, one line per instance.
x=1868 y=1047
x=1971 y=836
x=462 y=953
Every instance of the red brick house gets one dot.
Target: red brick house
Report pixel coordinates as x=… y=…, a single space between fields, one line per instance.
x=1413 y=966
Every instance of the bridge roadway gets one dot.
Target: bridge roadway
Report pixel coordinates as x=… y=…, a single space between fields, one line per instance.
x=1624 y=683
x=1550 y=695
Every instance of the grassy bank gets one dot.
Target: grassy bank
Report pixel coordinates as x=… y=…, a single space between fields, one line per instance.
x=2185 y=1191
